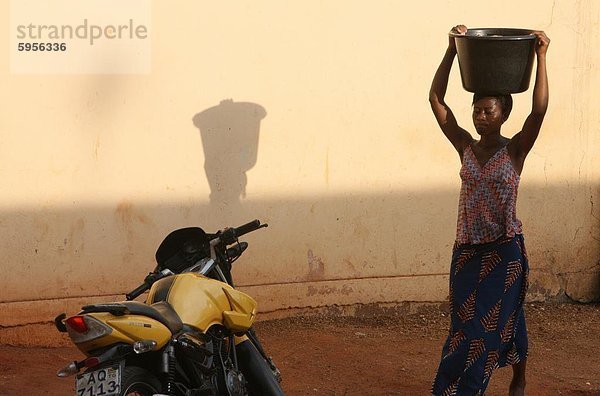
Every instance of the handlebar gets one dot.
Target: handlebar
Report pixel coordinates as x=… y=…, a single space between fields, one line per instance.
x=137 y=291
x=227 y=236
x=148 y=282
x=230 y=235
x=248 y=227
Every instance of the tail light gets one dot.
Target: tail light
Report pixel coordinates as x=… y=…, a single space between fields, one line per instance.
x=77 y=323
x=83 y=328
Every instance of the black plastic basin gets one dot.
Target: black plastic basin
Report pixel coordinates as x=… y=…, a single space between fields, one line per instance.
x=496 y=60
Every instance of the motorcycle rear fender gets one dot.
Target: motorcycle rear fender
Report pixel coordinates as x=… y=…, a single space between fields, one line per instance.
x=127 y=329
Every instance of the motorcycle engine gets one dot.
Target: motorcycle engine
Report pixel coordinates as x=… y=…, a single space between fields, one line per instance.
x=236 y=384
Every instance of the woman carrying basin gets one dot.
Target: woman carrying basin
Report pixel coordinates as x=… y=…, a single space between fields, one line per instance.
x=488 y=272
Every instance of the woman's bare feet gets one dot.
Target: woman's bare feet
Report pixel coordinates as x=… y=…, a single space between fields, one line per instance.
x=516 y=388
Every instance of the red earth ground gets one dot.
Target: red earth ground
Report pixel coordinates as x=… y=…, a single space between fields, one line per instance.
x=394 y=354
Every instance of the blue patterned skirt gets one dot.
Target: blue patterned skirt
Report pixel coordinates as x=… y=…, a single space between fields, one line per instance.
x=488 y=283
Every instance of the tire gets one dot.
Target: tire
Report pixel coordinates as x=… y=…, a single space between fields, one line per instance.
x=137 y=381
x=256 y=370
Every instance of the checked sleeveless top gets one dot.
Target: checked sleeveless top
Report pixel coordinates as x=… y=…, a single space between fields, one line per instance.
x=488 y=197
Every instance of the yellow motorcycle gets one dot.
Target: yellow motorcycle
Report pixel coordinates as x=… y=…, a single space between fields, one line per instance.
x=192 y=337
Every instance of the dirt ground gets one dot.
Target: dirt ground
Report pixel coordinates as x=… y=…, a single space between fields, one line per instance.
x=383 y=355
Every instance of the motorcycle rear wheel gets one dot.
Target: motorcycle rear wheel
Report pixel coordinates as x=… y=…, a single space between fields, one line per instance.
x=137 y=381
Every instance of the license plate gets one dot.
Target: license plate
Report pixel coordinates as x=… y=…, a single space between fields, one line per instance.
x=102 y=382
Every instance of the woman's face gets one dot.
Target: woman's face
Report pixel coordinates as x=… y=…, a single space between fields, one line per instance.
x=487 y=116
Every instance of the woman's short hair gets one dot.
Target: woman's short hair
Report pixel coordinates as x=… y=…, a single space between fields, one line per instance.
x=505 y=101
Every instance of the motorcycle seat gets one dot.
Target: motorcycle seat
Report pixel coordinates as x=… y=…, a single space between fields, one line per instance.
x=161 y=311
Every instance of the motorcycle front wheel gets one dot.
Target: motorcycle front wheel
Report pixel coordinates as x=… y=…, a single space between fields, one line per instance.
x=139 y=382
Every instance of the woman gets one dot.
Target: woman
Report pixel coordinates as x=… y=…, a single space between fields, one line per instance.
x=488 y=274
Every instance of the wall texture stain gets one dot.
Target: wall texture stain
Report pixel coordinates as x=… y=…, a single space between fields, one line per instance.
x=316 y=267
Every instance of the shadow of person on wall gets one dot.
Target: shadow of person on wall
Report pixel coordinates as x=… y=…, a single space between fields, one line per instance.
x=229 y=133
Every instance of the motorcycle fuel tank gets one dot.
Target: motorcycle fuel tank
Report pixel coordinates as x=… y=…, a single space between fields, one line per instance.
x=202 y=302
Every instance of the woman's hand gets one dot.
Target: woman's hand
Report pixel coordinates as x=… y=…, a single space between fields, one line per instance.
x=458 y=29
x=541 y=42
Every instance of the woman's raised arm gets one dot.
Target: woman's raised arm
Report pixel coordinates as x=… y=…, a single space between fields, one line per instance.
x=525 y=139
x=459 y=137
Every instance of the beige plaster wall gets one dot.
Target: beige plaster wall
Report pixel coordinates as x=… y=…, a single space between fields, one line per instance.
x=309 y=115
